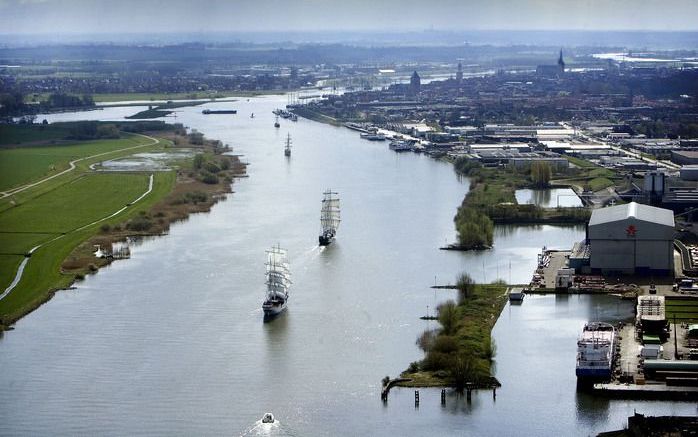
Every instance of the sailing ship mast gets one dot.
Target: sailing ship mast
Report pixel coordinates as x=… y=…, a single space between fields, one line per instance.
x=287 y=150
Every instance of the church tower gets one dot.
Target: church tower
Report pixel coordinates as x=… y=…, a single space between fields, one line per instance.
x=561 y=63
x=415 y=83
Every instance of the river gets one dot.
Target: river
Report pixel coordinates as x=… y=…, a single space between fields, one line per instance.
x=171 y=342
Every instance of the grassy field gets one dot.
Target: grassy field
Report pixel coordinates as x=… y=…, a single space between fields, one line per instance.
x=75 y=204
x=59 y=207
x=8 y=263
x=22 y=165
x=42 y=274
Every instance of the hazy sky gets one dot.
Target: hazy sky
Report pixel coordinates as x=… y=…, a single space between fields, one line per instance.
x=131 y=16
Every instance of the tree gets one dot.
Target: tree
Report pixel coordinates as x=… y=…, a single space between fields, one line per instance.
x=465 y=285
x=448 y=317
x=541 y=173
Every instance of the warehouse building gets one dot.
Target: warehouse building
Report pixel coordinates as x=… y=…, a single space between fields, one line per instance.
x=631 y=239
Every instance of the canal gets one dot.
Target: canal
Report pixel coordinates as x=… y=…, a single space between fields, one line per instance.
x=171 y=342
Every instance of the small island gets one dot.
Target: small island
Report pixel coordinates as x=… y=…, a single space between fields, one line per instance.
x=461 y=351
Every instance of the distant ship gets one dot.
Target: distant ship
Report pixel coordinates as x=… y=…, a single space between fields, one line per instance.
x=329 y=217
x=371 y=136
x=596 y=352
x=219 y=111
x=278 y=282
x=400 y=146
x=287 y=149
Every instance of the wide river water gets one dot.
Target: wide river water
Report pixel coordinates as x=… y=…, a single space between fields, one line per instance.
x=171 y=342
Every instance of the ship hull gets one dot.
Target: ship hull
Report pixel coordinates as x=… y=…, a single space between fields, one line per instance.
x=273 y=309
x=594 y=374
x=325 y=240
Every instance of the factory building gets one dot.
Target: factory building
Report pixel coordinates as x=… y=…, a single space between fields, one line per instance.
x=631 y=239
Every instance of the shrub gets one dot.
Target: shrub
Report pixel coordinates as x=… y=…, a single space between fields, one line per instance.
x=140 y=223
x=413 y=367
x=211 y=167
x=105 y=228
x=198 y=161
x=209 y=178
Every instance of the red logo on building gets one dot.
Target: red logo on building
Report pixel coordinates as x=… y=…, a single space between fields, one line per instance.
x=631 y=231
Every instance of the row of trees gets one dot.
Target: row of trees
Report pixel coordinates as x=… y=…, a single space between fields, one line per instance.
x=12 y=103
x=92 y=130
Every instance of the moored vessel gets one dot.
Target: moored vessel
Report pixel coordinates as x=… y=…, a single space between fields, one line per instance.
x=596 y=352
x=400 y=146
x=329 y=217
x=278 y=282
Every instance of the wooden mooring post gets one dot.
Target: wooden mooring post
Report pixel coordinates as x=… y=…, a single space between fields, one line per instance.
x=469 y=391
x=416 y=398
x=443 y=396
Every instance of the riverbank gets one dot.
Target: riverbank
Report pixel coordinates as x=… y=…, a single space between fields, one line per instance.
x=47 y=227
x=462 y=350
x=492 y=200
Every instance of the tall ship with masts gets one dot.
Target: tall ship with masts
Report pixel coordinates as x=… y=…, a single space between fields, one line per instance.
x=329 y=217
x=287 y=149
x=278 y=282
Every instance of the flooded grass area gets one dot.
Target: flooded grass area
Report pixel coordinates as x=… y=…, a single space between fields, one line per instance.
x=147 y=161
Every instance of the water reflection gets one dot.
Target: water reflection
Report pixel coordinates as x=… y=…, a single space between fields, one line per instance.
x=592 y=409
x=548 y=198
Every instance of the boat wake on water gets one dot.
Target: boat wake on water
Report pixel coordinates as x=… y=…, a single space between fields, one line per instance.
x=262 y=428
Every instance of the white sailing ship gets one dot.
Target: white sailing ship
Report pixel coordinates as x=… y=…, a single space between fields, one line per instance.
x=329 y=217
x=278 y=282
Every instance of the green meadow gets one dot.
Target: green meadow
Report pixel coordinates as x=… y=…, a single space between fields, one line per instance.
x=54 y=212
x=23 y=165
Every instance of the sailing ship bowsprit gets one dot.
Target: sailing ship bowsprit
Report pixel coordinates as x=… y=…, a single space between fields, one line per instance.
x=329 y=217
x=278 y=282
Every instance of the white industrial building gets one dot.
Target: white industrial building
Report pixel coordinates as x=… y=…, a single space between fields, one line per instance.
x=631 y=238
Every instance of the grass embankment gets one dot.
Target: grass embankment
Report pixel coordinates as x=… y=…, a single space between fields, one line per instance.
x=316 y=116
x=589 y=176
x=462 y=350
x=492 y=199
x=60 y=208
x=160 y=110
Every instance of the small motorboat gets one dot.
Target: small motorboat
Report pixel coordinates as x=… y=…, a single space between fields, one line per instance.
x=268 y=418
